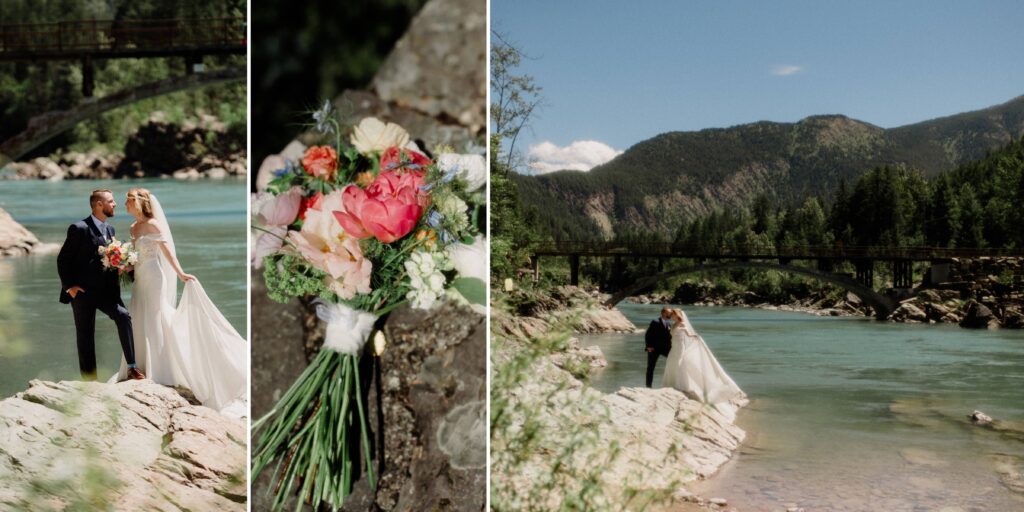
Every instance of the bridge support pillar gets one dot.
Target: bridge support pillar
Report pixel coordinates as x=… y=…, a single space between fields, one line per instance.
x=902 y=274
x=536 y=268
x=574 y=269
x=825 y=265
x=865 y=272
x=88 y=77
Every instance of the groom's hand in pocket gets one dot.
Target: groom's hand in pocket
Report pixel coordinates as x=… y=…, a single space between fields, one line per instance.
x=74 y=291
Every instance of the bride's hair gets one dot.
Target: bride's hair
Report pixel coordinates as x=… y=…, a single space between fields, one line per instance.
x=143 y=201
x=678 y=315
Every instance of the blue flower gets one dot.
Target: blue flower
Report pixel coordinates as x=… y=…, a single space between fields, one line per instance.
x=434 y=219
x=323 y=118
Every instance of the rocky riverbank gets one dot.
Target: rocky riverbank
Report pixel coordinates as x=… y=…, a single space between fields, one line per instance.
x=977 y=293
x=158 y=149
x=634 y=449
x=581 y=308
x=134 y=445
x=816 y=301
x=15 y=240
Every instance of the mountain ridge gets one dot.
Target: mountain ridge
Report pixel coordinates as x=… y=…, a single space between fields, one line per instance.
x=661 y=181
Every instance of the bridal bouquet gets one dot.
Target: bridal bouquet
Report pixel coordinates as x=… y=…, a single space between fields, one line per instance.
x=118 y=256
x=363 y=228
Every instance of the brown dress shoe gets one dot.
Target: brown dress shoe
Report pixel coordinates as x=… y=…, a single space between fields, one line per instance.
x=135 y=374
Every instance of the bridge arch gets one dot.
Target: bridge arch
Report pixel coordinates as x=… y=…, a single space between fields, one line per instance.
x=882 y=305
x=46 y=126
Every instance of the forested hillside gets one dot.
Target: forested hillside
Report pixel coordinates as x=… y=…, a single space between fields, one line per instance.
x=660 y=183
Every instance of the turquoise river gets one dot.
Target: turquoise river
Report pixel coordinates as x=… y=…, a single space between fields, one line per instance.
x=851 y=414
x=37 y=333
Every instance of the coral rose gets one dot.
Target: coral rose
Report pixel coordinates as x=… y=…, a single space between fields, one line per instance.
x=321 y=162
x=387 y=210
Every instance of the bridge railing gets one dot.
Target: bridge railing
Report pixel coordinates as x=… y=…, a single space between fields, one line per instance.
x=113 y=35
x=757 y=251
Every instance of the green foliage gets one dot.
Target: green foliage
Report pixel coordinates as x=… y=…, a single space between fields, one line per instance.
x=28 y=89
x=289 y=276
x=512 y=232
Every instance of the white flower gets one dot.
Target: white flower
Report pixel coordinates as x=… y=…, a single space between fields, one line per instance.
x=470 y=168
x=374 y=135
x=425 y=278
x=379 y=343
x=470 y=260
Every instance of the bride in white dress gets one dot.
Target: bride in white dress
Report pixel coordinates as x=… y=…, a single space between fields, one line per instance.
x=693 y=369
x=191 y=345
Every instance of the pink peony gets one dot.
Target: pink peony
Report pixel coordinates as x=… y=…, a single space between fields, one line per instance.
x=279 y=210
x=329 y=248
x=266 y=244
x=387 y=210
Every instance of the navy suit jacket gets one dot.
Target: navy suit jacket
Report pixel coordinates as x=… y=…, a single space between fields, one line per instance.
x=658 y=337
x=80 y=264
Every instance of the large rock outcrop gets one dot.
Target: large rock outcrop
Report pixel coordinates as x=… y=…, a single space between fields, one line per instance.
x=134 y=445
x=557 y=437
x=15 y=240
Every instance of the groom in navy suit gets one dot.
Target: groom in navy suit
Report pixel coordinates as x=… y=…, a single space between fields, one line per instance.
x=658 y=341
x=88 y=287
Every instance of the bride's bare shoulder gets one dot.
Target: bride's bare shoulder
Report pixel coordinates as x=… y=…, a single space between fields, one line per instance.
x=146 y=227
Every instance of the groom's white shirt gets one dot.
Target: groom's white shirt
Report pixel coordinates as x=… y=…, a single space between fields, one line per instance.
x=102 y=226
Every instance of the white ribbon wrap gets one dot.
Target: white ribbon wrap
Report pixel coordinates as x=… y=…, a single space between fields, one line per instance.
x=347 y=328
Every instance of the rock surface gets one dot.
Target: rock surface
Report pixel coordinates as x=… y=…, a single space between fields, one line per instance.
x=439 y=66
x=602 y=319
x=134 y=445
x=15 y=240
x=633 y=445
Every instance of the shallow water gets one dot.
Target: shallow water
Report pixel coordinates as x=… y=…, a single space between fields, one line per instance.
x=37 y=333
x=850 y=413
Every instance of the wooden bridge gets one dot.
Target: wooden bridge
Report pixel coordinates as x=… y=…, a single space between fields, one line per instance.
x=826 y=259
x=91 y=40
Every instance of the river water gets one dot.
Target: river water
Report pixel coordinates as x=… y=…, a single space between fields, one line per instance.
x=37 y=333
x=850 y=413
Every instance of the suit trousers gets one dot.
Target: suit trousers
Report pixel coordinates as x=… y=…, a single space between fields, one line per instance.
x=652 y=361
x=85 y=330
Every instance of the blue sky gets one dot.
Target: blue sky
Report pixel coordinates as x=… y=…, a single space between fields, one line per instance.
x=621 y=72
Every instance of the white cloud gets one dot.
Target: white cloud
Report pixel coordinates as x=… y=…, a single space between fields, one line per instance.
x=581 y=155
x=786 y=70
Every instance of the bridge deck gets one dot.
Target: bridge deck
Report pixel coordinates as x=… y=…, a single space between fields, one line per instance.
x=807 y=252
x=111 y=39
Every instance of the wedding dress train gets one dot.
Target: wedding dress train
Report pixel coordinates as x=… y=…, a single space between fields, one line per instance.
x=693 y=369
x=191 y=345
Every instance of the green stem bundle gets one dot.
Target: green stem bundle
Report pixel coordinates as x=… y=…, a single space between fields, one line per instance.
x=307 y=434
